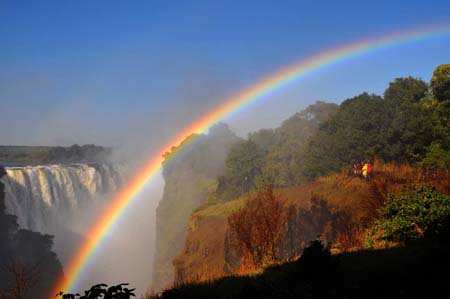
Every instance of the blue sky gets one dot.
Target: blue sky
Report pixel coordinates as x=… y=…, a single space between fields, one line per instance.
x=113 y=72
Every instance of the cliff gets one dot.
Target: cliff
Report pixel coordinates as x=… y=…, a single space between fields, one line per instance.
x=333 y=207
x=189 y=178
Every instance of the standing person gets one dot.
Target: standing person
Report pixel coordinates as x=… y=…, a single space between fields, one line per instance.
x=364 y=170
x=358 y=168
x=369 y=169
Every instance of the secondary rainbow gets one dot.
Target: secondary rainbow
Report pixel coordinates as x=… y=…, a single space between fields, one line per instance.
x=231 y=105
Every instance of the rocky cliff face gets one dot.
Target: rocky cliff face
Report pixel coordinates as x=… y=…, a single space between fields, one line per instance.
x=208 y=252
x=189 y=177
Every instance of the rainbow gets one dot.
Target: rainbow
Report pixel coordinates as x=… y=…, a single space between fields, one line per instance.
x=234 y=104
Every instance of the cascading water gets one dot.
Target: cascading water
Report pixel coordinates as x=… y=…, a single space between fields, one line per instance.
x=61 y=200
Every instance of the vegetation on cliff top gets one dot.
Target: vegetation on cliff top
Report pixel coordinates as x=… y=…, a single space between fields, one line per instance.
x=32 y=155
x=409 y=124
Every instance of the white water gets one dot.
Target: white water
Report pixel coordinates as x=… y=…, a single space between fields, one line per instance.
x=61 y=200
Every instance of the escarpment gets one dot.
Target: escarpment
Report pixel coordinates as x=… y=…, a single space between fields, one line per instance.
x=189 y=177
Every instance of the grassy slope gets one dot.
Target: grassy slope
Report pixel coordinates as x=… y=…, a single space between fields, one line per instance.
x=203 y=257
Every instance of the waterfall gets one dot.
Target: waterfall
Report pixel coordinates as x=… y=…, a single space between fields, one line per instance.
x=56 y=198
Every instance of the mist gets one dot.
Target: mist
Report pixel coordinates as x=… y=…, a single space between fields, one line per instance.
x=126 y=253
x=132 y=76
x=136 y=130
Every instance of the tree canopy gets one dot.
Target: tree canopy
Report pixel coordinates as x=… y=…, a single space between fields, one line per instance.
x=244 y=163
x=440 y=82
x=404 y=125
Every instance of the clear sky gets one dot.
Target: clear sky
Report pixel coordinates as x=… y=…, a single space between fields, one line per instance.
x=115 y=72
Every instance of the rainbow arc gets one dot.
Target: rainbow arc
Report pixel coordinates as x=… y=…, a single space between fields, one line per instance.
x=122 y=199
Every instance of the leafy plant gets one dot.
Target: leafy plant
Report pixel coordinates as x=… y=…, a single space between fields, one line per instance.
x=102 y=291
x=243 y=165
x=436 y=158
x=409 y=215
x=440 y=82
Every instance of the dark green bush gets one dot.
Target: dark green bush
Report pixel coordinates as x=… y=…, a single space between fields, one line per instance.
x=417 y=211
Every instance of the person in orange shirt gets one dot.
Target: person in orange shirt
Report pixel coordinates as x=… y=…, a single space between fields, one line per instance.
x=369 y=169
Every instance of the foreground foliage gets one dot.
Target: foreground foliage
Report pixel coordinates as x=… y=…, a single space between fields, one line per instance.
x=418 y=211
x=102 y=291
x=406 y=272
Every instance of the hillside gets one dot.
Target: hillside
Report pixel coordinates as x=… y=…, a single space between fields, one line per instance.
x=338 y=208
x=209 y=267
x=415 y=271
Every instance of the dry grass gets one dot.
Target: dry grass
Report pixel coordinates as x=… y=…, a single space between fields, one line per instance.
x=343 y=192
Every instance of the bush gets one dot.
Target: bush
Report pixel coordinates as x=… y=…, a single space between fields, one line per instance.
x=317 y=261
x=315 y=253
x=255 y=229
x=436 y=158
x=418 y=211
x=102 y=291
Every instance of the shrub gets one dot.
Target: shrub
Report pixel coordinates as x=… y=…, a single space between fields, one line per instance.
x=315 y=253
x=436 y=158
x=102 y=291
x=256 y=228
x=413 y=213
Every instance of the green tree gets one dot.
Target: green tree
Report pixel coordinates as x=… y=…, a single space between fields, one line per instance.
x=436 y=157
x=353 y=133
x=399 y=127
x=411 y=129
x=407 y=89
x=284 y=159
x=243 y=165
x=440 y=83
x=265 y=138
